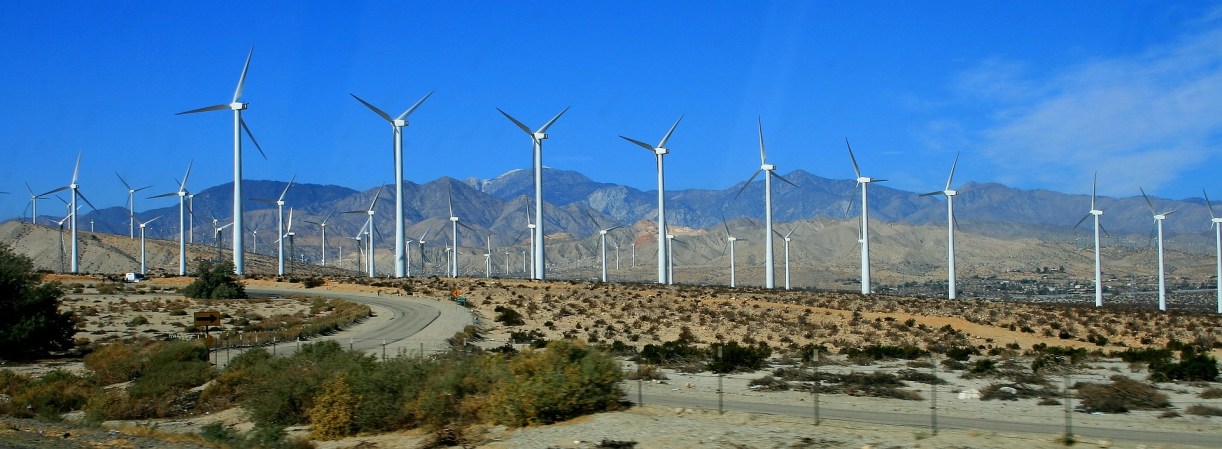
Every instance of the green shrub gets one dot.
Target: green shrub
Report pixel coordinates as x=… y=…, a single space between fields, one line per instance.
x=259 y=438
x=564 y=381
x=508 y=316
x=738 y=358
x=1120 y=396
x=1193 y=366
x=881 y=352
x=138 y=320
x=31 y=324
x=215 y=281
x=55 y=393
x=312 y=282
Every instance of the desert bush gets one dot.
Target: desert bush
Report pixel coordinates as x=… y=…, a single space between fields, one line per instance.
x=1211 y=393
x=646 y=372
x=312 y=282
x=1203 y=410
x=1120 y=396
x=1193 y=366
x=961 y=353
x=1143 y=355
x=31 y=324
x=280 y=390
x=163 y=374
x=259 y=438
x=138 y=320
x=108 y=288
x=11 y=382
x=215 y=281
x=508 y=316
x=1013 y=392
x=735 y=357
x=334 y=410
x=882 y=352
x=670 y=353
x=912 y=375
x=564 y=381
x=53 y=394
x=768 y=383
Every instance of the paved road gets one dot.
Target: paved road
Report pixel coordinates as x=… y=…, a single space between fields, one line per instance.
x=400 y=324
x=667 y=398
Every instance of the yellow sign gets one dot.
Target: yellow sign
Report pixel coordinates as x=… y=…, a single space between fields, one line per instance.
x=456 y=293
x=209 y=318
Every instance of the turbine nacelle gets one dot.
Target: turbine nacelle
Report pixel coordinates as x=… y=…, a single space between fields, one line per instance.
x=1160 y=217
x=399 y=123
x=454 y=219
x=539 y=136
x=864 y=179
x=1096 y=212
x=767 y=167
x=661 y=151
x=237 y=106
x=950 y=192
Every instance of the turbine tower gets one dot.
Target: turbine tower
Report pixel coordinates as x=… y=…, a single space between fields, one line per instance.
x=730 y=241
x=1158 y=223
x=131 y=206
x=368 y=224
x=33 y=203
x=239 y=125
x=602 y=233
x=863 y=181
x=537 y=137
x=142 y=225
x=279 y=202
x=786 y=239
x=397 y=124
x=421 y=241
x=182 y=218
x=454 y=224
x=76 y=193
x=769 y=171
x=1216 y=223
x=1094 y=211
x=950 y=227
x=670 y=258
x=323 y=225
x=659 y=151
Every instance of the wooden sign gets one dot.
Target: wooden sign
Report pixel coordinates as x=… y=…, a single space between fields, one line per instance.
x=205 y=319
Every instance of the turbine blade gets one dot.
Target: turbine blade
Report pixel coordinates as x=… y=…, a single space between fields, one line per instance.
x=164 y=195
x=237 y=93
x=82 y=195
x=952 y=171
x=1101 y=228
x=662 y=144
x=375 y=198
x=450 y=203
x=142 y=188
x=30 y=189
x=787 y=234
x=778 y=176
x=206 y=109
x=549 y=123
x=414 y=106
x=744 y=187
x=1080 y=221
x=1210 y=205
x=56 y=190
x=591 y=217
x=639 y=143
x=76 y=170
x=933 y=193
x=1148 y=203
x=150 y=221
x=515 y=121
x=125 y=184
x=373 y=108
x=286 y=188
x=288 y=228
x=182 y=186
x=763 y=156
x=466 y=226
x=252 y=138
x=426 y=233
x=613 y=228
x=1094 y=187
x=852 y=158
x=849 y=207
x=877 y=180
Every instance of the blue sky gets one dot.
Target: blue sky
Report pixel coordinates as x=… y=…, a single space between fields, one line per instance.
x=1034 y=94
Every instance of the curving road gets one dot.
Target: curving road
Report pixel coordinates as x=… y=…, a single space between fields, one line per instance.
x=400 y=324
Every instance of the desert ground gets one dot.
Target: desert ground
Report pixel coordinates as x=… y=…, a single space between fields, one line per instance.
x=637 y=314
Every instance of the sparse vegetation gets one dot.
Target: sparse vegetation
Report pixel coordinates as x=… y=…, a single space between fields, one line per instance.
x=1120 y=396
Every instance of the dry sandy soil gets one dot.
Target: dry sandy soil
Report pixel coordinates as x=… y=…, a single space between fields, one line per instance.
x=639 y=314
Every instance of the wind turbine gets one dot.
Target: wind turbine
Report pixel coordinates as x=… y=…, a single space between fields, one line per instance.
x=1216 y=223
x=61 y=238
x=217 y=237
x=659 y=151
x=131 y=206
x=488 y=259
x=785 y=238
x=537 y=138
x=323 y=224
x=769 y=171
x=1158 y=223
x=182 y=228
x=409 y=252
x=602 y=233
x=397 y=124
x=76 y=192
x=454 y=224
x=279 y=202
x=369 y=225
x=1094 y=211
x=863 y=181
x=33 y=203
x=288 y=232
x=256 y=238
x=142 y=225
x=670 y=258
x=239 y=125
x=950 y=233
x=730 y=240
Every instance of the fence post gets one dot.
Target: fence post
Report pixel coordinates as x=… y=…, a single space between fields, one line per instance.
x=1068 y=413
x=720 y=391
x=933 y=394
x=383 y=349
x=814 y=363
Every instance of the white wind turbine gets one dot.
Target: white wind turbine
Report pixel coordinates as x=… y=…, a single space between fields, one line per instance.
x=1216 y=223
x=397 y=124
x=369 y=228
x=670 y=258
x=537 y=137
x=288 y=233
x=256 y=238
x=182 y=217
x=863 y=181
x=76 y=193
x=33 y=203
x=1158 y=223
x=142 y=225
x=951 y=223
x=659 y=151
x=769 y=171
x=279 y=202
x=602 y=233
x=1096 y=212
x=323 y=224
x=730 y=241
x=131 y=206
x=239 y=125
x=409 y=252
x=785 y=237
x=454 y=224
x=488 y=259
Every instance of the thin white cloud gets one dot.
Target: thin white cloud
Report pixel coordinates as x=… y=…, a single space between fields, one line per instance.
x=1140 y=120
